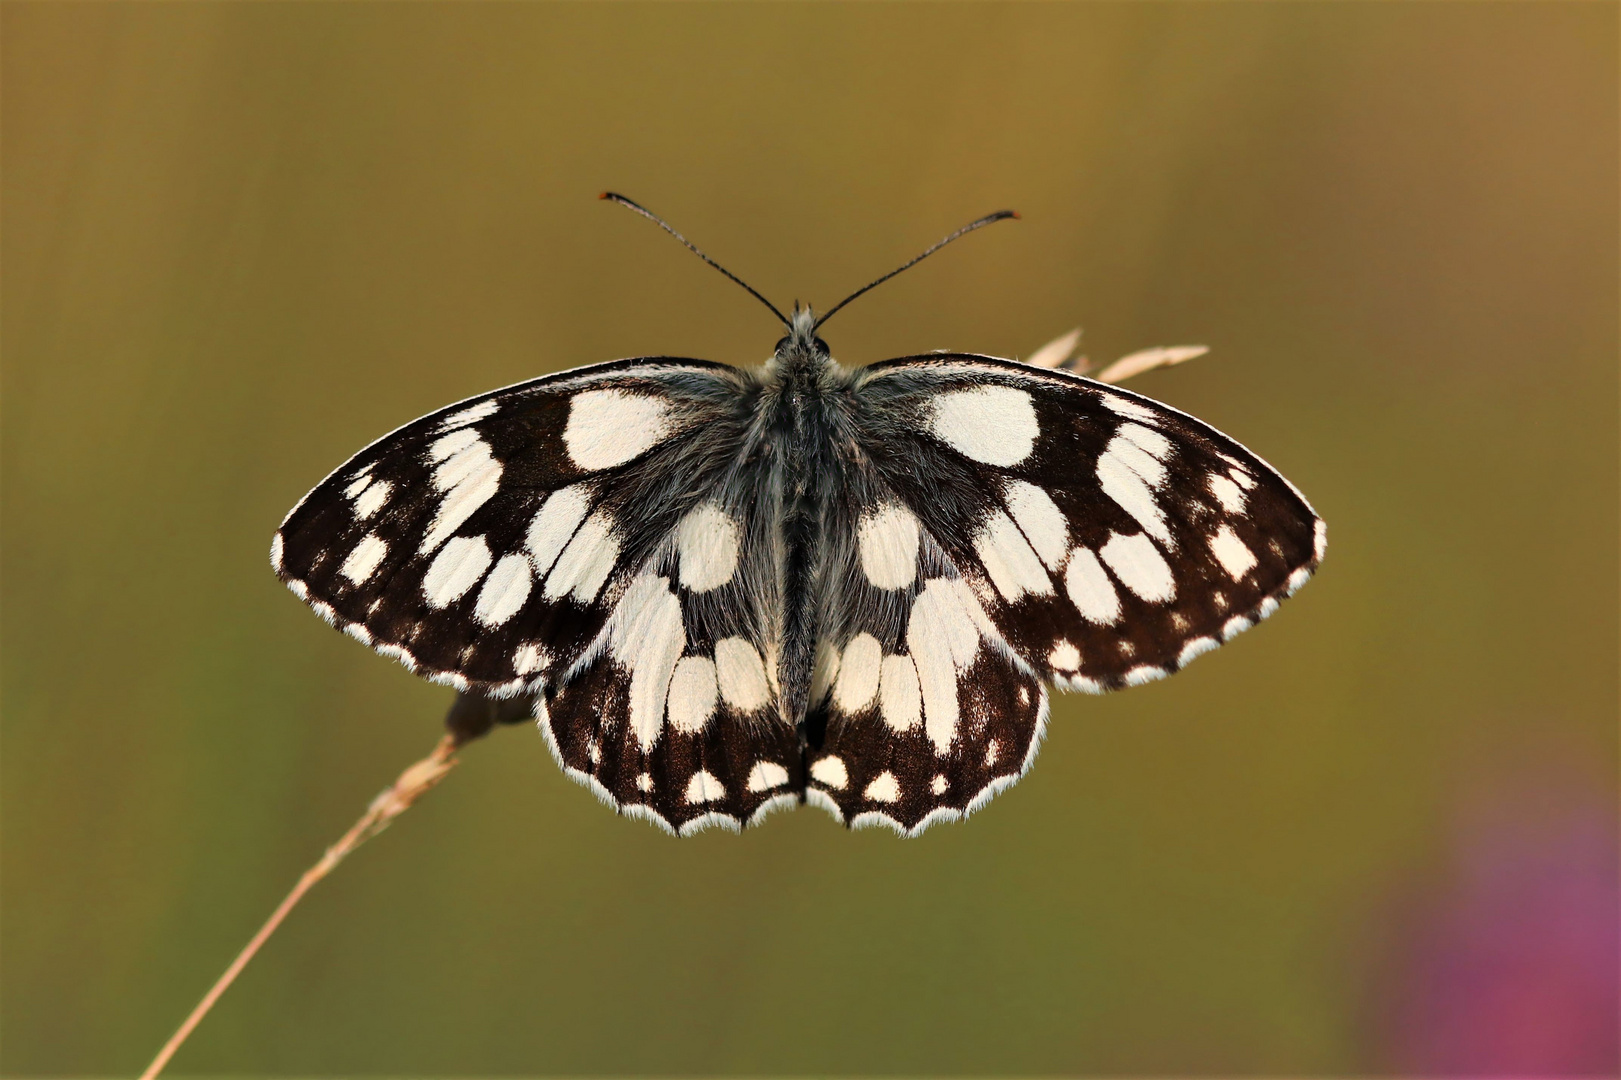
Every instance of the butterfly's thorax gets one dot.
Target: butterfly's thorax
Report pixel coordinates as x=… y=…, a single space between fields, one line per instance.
x=802 y=434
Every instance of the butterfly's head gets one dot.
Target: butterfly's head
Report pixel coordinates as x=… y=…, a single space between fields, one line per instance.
x=801 y=350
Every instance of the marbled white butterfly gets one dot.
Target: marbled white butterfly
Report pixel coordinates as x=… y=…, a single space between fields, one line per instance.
x=724 y=591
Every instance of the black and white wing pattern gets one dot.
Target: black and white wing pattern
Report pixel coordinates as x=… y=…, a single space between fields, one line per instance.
x=676 y=715
x=920 y=711
x=1016 y=526
x=725 y=592
x=563 y=539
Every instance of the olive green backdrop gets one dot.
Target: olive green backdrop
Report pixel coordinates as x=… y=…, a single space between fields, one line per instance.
x=241 y=241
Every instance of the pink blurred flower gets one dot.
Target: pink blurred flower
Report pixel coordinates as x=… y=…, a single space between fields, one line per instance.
x=1513 y=965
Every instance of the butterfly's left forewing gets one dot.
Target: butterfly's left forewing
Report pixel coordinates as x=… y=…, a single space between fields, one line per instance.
x=484 y=545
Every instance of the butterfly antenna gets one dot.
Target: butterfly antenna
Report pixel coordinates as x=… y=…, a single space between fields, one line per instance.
x=988 y=219
x=665 y=225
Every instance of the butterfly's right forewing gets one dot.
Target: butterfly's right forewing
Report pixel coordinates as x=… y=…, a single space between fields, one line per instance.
x=1111 y=539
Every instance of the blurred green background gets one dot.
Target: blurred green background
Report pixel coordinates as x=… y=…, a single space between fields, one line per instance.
x=1376 y=835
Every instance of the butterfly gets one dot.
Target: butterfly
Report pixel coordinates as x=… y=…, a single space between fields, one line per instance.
x=721 y=592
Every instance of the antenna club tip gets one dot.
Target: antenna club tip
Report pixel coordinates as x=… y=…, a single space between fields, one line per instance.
x=1015 y=215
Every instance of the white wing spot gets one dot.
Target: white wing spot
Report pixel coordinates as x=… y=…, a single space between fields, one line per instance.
x=692 y=694
x=1135 y=458
x=938 y=785
x=364 y=559
x=1319 y=539
x=644 y=781
x=707 y=540
x=767 y=775
x=1230 y=551
x=646 y=635
x=358 y=484
x=1043 y=523
x=1145 y=674
x=945 y=621
x=1122 y=406
x=884 y=788
x=1090 y=589
x=942 y=639
x=1298 y=579
x=529 y=658
x=554 y=524
x=451 y=445
x=824 y=671
x=900 y=699
x=1229 y=494
x=467 y=464
x=505 y=590
x=704 y=788
x=741 y=674
x=1012 y=565
x=456 y=569
x=470 y=415
x=1240 y=477
x=857 y=683
x=830 y=772
x=371 y=500
x=469 y=476
x=992 y=751
x=586 y=562
x=1139 y=566
x=1065 y=656
x=1120 y=474
x=610 y=427
x=1146 y=439
x=1234 y=626
x=994 y=425
x=888 y=539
